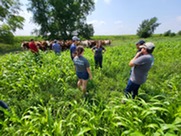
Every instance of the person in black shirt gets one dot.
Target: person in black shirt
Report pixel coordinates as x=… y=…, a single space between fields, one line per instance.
x=98 y=51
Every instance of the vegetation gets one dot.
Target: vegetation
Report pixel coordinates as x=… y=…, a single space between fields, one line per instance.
x=44 y=99
x=147 y=27
x=10 y=20
x=62 y=19
x=169 y=33
x=179 y=32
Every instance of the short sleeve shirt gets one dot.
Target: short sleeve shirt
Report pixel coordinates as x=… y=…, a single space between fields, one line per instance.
x=33 y=47
x=140 y=70
x=81 y=64
x=56 y=47
x=72 y=48
x=98 y=51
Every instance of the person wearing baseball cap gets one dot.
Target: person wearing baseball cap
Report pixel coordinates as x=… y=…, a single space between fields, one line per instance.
x=138 y=44
x=73 y=46
x=141 y=64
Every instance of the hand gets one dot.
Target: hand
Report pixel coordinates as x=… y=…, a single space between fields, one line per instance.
x=138 y=54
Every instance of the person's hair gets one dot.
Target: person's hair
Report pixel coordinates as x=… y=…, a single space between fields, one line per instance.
x=31 y=40
x=150 y=51
x=99 y=43
x=79 y=50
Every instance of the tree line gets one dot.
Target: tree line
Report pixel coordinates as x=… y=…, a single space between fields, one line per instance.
x=57 y=19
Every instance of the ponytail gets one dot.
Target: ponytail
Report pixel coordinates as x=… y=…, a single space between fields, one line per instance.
x=79 y=50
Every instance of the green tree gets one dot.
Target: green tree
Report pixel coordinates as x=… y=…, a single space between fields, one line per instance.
x=6 y=36
x=62 y=18
x=179 y=32
x=167 y=33
x=147 y=27
x=10 y=20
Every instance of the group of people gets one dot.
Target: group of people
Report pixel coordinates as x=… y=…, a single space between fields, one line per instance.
x=140 y=65
x=82 y=65
x=56 y=47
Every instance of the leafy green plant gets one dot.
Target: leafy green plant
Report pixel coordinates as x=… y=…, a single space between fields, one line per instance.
x=44 y=99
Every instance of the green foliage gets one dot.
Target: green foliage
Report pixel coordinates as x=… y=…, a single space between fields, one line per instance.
x=179 y=32
x=6 y=36
x=9 y=14
x=147 y=27
x=44 y=99
x=62 y=19
x=169 y=33
x=10 y=20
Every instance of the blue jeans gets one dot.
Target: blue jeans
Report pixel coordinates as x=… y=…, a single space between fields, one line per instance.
x=132 y=88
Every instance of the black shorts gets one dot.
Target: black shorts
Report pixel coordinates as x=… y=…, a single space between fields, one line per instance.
x=83 y=75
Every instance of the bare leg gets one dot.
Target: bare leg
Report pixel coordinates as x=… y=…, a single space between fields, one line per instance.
x=79 y=83
x=84 y=86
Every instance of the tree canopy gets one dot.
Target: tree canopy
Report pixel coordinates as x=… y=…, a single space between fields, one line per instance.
x=147 y=27
x=62 y=18
x=10 y=20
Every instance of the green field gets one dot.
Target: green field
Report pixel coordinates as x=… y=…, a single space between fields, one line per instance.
x=44 y=99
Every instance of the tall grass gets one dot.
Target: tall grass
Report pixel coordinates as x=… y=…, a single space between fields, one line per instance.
x=44 y=100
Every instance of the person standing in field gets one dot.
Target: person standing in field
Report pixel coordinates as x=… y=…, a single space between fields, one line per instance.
x=82 y=68
x=98 y=51
x=141 y=64
x=33 y=47
x=73 y=46
x=138 y=44
x=56 y=47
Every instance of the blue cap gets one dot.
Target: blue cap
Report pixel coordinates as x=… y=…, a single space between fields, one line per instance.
x=140 y=42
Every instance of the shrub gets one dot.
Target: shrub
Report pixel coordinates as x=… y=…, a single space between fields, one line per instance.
x=6 y=36
x=179 y=32
x=167 y=33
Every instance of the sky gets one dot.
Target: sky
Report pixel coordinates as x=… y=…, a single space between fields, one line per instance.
x=123 y=17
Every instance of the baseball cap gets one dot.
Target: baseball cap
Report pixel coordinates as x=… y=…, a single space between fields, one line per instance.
x=148 y=45
x=75 y=38
x=140 y=42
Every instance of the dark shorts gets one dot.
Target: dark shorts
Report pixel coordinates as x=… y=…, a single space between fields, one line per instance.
x=83 y=75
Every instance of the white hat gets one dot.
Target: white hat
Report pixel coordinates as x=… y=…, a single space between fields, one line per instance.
x=148 y=45
x=75 y=38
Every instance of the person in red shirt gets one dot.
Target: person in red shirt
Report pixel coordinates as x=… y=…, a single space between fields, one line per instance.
x=35 y=51
x=32 y=46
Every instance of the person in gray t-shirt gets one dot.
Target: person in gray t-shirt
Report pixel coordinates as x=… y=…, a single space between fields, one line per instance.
x=82 y=69
x=140 y=64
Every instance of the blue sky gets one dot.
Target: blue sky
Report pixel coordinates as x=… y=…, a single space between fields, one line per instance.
x=120 y=17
